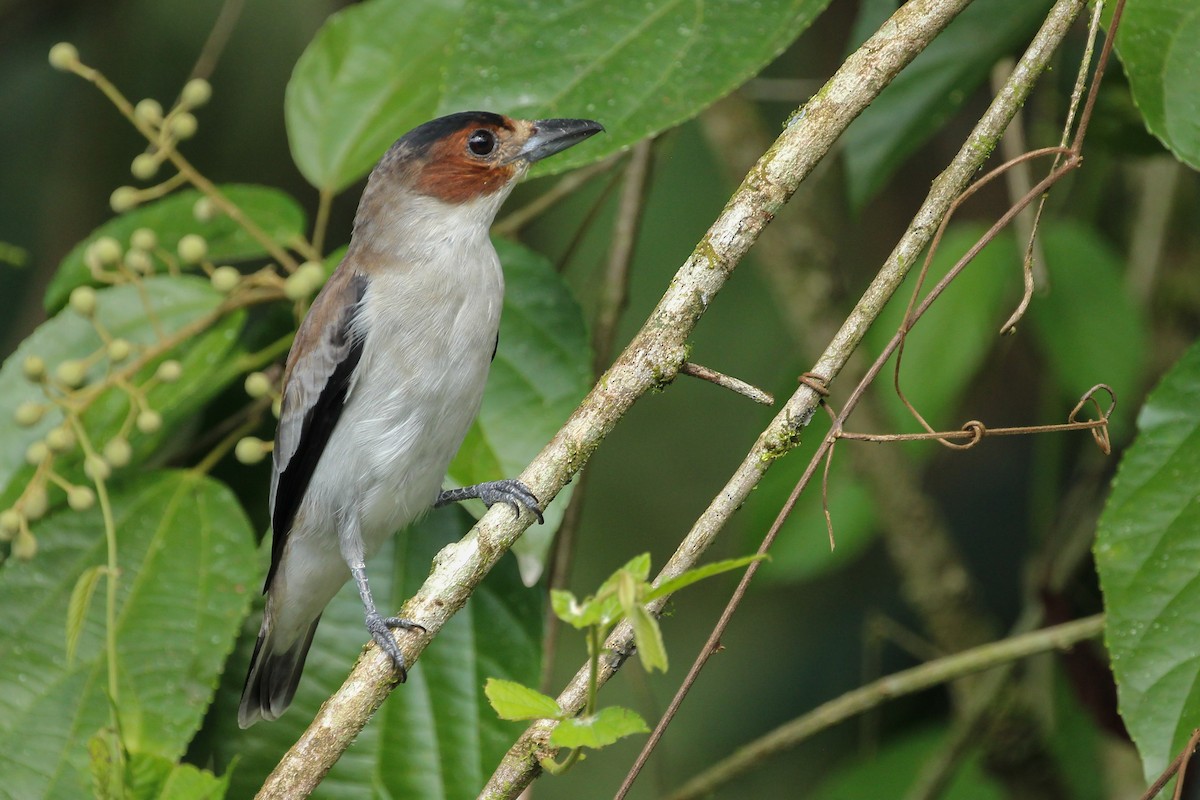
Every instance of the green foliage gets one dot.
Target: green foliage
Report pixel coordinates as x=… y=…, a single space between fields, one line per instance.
x=1159 y=44
x=623 y=595
x=187 y=568
x=1148 y=562
x=541 y=371
x=173 y=217
x=631 y=67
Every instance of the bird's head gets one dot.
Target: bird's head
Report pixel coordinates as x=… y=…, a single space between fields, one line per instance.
x=471 y=159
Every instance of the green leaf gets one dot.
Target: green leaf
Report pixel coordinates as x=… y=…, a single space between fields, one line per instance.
x=516 y=701
x=176 y=302
x=379 y=68
x=1087 y=324
x=932 y=88
x=599 y=730
x=437 y=736
x=185 y=550
x=171 y=218
x=698 y=574
x=152 y=777
x=637 y=68
x=896 y=766
x=77 y=606
x=1149 y=567
x=373 y=71
x=1159 y=44
x=541 y=371
x=647 y=635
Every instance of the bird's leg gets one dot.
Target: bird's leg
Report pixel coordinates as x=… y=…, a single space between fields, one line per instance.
x=513 y=492
x=379 y=626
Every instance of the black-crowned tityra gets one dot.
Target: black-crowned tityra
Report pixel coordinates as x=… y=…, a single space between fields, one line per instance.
x=385 y=375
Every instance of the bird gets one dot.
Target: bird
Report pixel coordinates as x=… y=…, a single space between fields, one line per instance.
x=384 y=377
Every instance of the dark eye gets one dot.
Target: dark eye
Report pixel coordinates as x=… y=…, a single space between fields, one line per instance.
x=482 y=142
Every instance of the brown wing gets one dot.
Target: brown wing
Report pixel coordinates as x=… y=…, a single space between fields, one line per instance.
x=319 y=372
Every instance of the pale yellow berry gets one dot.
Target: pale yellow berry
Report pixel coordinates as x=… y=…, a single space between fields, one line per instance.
x=60 y=440
x=183 y=125
x=149 y=421
x=277 y=407
x=24 y=547
x=139 y=261
x=196 y=92
x=96 y=468
x=29 y=413
x=37 y=452
x=192 y=249
x=107 y=250
x=71 y=373
x=148 y=111
x=250 y=450
x=80 y=498
x=204 y=210
x=305 y=281
x=35 y=503
x=119 y=349
x=83 y=300
x=225 y=279
x=34 y=368
x=169 y=371
x=118 y=452
x=144 y=166
x=10 y=523
x=257 y=385
x=143 y=239
x=64 y=56
x=124 y=198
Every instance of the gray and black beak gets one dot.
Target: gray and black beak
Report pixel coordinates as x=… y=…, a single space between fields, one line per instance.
x=552 y=136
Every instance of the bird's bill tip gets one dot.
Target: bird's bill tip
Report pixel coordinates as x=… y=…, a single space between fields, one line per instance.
x=552 y=136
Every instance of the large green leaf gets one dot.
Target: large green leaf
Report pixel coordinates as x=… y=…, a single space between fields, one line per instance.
x=186 y=556
x=176 y=302
x=1087 y=324
x=172 y=218
x=541 y=371
x=1159 y=44
x=436 y=737
x=931 y=89
x=382 y=67
x=373 y=71
x=1149 y=564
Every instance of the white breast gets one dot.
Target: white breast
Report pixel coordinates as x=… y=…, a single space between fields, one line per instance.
x=429 y=323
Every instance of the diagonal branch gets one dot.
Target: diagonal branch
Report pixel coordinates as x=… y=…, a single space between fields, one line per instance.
x=650 y=361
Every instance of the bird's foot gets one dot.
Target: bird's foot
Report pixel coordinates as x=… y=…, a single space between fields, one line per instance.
x=512 y=492
x=381 y=631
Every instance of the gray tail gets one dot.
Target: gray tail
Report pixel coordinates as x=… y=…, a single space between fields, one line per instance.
x=273 y=676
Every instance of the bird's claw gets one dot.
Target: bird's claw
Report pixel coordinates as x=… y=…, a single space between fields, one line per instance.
x=381 y=629
x=510 y=491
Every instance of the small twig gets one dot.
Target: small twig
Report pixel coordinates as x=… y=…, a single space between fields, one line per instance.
x=735 y=385
x=615 y=289
x=1157 y=180
x=218 y=37
x=514 y=221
